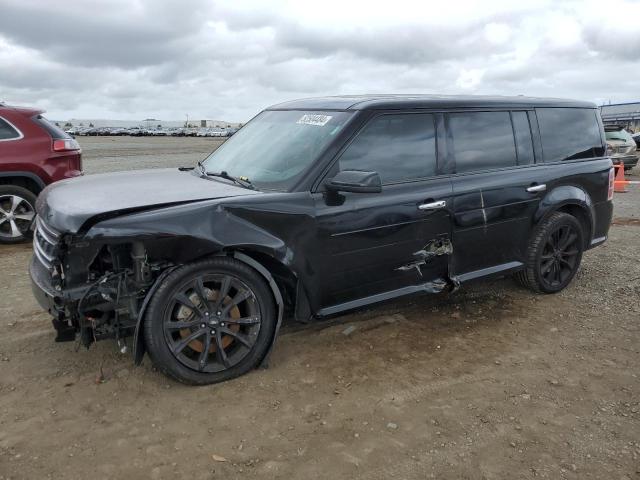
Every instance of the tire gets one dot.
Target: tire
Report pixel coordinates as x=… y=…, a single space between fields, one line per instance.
x=240 y=328
x=17 y=212
x=549 y=268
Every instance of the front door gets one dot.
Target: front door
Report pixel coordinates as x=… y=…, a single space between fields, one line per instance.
x=374 y=243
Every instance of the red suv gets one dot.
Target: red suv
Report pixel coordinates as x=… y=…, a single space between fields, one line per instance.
x=33 y=153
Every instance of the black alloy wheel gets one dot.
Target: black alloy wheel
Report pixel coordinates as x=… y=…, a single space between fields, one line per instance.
x=554 y=254
x=210 y=321
x=559 y=258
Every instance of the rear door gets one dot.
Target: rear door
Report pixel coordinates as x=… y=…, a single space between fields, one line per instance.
x=496 y=189
x=372 y=242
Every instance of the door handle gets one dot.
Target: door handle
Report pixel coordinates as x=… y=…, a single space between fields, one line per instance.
x=537 y=188
x=433 y=205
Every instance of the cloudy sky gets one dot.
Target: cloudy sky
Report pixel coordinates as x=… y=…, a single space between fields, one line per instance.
x=133 y=59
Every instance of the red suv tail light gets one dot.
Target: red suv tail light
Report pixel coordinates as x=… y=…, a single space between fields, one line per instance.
x=65 y=145
x=612 y=176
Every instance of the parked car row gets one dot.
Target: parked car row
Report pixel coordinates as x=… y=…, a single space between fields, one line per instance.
x=151 y=132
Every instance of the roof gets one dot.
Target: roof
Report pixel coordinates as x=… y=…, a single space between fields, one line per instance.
x=390 y=102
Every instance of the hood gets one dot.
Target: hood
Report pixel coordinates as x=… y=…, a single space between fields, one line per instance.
x=69 y=204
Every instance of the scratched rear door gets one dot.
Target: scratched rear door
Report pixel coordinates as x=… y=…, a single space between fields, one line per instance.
x=496 y=188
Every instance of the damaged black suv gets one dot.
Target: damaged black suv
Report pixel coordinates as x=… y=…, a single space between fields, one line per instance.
x=317 y=207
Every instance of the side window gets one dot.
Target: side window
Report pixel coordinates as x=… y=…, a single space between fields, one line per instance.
x=569 y=133
x=524 y=143
x=482 y=140
x=7 y=132
x=398 y=146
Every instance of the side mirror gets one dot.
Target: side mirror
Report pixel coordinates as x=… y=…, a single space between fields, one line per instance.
x=355 y=181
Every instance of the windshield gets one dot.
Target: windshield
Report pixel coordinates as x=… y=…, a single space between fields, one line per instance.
x=275 y=148
x=619 y=135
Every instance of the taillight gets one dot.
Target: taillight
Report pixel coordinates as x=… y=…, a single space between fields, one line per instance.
x=65 y=145
x=612 y=176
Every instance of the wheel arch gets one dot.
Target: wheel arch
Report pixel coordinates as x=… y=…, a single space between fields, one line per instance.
x=573 y=201
x=261 y=263
x=27 y=180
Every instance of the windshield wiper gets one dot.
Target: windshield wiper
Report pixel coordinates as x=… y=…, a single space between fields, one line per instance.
x=242 y=181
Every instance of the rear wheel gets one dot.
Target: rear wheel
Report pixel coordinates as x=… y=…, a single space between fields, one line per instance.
x=210 y=321
x=17 y=211
x=554 y=254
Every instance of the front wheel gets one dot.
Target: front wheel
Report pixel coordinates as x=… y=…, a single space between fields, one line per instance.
x=554 y=254
x=210 y=321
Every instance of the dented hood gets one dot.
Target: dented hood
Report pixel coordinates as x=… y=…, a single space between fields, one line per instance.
x=69 y=204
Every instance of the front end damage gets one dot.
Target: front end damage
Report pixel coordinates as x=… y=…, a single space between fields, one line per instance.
x=92 y=290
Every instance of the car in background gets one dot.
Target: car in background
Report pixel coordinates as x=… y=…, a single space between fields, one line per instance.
x=33 y=153
x=636 y=138
x=620 y=146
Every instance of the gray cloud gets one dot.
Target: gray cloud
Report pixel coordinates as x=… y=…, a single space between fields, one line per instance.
x=163 y=59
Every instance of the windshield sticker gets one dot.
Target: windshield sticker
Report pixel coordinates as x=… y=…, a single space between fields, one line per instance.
x=317 y=120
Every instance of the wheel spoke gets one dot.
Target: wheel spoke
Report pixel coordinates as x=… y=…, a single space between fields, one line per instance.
x=570 y=253
x=202 y=294
x=565 y=261
x=544 y=268
x=181 y=325
x=15 y=231
x=28 y=216
x=240 y=297
x=186 y=301
x=178 y=347
x=204 y=355
x=221 y=355
x=223 y=292
x=568 y=241
x=15 y=202
x=558 y=271
x=238 y=336
x=244 y=321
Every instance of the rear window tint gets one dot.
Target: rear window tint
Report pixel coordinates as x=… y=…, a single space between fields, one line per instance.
x=569 y=133
x=7 y=132
x=482 y=140
x=56 y=132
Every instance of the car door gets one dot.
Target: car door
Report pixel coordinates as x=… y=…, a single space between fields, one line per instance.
x=496 y=189
x=374 y=243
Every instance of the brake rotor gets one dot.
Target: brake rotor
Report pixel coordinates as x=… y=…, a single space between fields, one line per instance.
x=185 y=312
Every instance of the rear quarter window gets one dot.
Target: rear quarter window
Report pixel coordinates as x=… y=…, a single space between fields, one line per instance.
x=54 y=131
x=569 y=134
x=7 y=131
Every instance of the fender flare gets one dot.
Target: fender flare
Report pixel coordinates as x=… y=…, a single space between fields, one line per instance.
x=20 y=174
x=562 y=196
x=139 y=347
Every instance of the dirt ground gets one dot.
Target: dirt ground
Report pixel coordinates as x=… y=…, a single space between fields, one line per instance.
x=492 y=382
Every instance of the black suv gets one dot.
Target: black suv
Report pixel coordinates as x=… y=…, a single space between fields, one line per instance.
x=316 y=207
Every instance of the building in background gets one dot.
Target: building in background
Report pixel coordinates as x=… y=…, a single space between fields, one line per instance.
x=625 y=114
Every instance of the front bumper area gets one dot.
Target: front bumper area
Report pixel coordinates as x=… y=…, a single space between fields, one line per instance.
x=56 y=303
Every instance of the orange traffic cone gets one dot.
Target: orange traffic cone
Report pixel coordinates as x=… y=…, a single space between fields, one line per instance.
x=619 y=183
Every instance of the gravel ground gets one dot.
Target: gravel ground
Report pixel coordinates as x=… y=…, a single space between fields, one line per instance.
x=492 y=382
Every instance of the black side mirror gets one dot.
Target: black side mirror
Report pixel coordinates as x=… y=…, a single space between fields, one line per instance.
x=355 y=181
